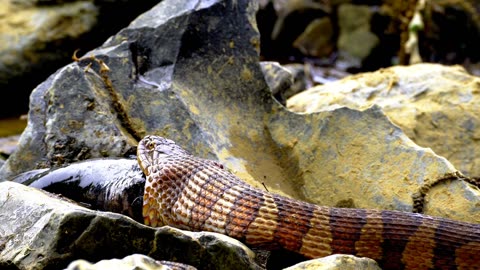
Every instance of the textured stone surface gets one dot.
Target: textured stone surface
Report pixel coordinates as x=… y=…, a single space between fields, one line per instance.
x=37 y=37
x=39 y=231
x=362 y=158
x=24 y=26
x=337 y=262
x=27 y=35
x=436 y=106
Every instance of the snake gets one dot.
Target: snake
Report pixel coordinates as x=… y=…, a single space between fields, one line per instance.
x=196 y=194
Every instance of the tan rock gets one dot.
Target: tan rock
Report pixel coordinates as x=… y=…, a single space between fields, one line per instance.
x=435 y=105
x=136 y=261
x=337 y=262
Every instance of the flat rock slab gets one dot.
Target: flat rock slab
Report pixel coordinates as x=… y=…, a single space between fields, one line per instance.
x=186 y=71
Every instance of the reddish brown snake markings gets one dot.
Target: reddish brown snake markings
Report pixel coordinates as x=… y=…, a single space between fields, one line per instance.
x=196 y=194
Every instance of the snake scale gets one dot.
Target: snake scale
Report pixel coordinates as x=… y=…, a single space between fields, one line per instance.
x=197 y=194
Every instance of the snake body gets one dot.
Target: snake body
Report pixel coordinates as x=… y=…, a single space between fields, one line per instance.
x=197 y=194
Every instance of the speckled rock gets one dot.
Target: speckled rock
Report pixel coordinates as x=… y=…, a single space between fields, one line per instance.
x=436 y=106
x=188 y=72
x=337 y=262
x=39 y=231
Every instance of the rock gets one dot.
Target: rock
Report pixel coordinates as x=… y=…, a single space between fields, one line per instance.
x=368 y=35
x=337 y=262
x=317 y=39
x=136 y=261
x=281 y=22
x=300 y=79
x=435 y=105
x=37 y=37
x=278 y=78
x=442 y=21
x=78 y=102
x=39 y=231
x=425 y=100
x=298 y=10
x=355 y=41
x=27 y=31
x=188 y=72
x=8 y=145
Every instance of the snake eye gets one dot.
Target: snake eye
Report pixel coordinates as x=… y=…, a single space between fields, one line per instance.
x=150 y=145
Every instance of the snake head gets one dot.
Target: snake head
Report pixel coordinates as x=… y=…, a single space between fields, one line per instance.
x=152 y=148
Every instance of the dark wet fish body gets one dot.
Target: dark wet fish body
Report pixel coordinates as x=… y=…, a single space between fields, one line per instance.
x=115 y=185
